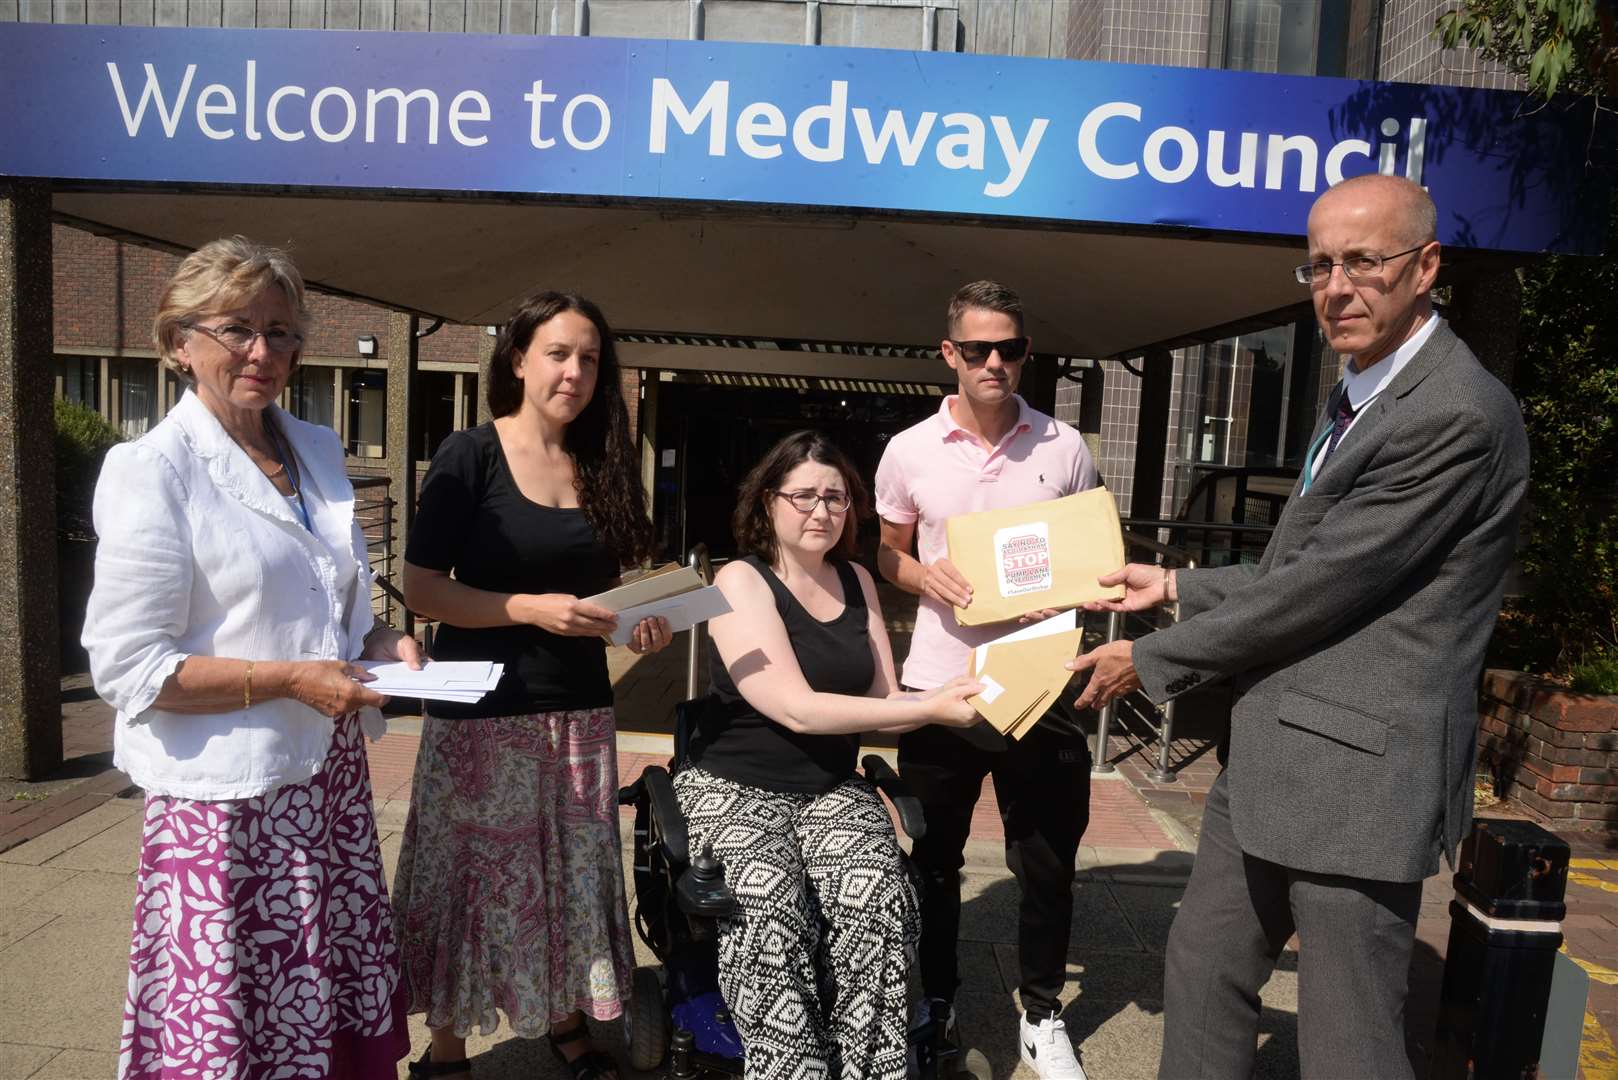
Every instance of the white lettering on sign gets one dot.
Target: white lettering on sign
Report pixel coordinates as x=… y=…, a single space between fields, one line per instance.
x=820 y=132
x=1022 y=558
x=1180 y=164
x=1116 y=140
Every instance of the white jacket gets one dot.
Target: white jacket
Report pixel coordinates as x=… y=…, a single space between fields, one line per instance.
x=199 y=553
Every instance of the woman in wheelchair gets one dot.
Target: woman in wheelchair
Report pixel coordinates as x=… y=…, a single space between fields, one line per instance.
x=814 y=969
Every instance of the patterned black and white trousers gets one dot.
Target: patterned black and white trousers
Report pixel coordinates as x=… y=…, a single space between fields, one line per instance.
x=815 y=969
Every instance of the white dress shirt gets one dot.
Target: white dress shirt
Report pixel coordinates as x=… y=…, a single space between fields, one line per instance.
x=200 y=554
x=1362 y=387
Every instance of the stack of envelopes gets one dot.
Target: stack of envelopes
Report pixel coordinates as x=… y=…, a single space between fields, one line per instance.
x=1024 y=673
x=677 y=593
x=465 y=681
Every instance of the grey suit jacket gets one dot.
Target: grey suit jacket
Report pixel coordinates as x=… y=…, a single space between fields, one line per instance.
x=1354 y=646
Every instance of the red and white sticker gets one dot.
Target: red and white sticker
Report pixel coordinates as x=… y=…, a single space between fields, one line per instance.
x=1022 y=558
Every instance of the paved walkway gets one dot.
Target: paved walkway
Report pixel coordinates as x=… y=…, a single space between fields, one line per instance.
x=66 y=889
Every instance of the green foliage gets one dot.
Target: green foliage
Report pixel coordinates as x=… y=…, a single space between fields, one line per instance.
x=82 y=441
x=1567 y=382
x=1597 y=676
x=1566 y=45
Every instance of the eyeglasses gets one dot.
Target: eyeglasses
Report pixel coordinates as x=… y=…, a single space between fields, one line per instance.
x=239 y=339
x=1354 y=267
x=1012 y=350
x=804 y=502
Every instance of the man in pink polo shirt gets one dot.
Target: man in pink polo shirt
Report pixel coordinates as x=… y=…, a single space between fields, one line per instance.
x=986 y=449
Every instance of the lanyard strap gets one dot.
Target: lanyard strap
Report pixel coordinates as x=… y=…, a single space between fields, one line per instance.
x=292 y=475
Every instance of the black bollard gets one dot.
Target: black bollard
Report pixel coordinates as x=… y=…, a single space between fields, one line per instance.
x=1505 y=928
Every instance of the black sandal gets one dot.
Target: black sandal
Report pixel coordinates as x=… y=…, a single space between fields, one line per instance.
x=595 y=1065
x=427 y=1068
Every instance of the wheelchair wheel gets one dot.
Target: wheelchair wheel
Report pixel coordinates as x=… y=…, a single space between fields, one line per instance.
x=646 y=1021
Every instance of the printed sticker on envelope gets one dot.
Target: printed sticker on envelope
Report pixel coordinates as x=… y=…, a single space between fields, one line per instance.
x=1022 y=558
x=1045 y=554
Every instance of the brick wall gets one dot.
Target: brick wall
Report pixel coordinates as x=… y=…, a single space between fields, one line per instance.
x=107 y=293
x=1552 y=751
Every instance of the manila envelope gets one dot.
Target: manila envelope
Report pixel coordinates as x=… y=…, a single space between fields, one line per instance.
x=1022 y=678
x=1043 y=555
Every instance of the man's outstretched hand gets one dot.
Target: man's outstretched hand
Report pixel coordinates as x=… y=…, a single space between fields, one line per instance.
x=1145 y=586
x=1112 y=673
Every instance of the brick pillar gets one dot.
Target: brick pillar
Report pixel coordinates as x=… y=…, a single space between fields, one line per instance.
x=404 y=429
x=30 y=676
x=485 y=362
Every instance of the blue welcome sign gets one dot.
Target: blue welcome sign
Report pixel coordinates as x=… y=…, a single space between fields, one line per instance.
x=938 y=133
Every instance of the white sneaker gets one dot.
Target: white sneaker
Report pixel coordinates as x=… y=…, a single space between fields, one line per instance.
x=1047 y=1050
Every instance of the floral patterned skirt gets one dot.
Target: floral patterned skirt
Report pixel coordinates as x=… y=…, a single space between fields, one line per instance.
x=263 y=945
x=510 y=888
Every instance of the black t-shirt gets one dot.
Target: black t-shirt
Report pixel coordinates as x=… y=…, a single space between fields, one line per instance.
x=472 y=520
x=736 y=741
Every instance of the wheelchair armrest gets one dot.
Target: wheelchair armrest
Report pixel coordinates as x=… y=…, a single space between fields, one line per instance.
x=669 y=821
x=880 y=775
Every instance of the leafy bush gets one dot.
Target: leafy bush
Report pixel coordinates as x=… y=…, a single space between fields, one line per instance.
x=82 y=440
x=1567 y=382
x=1596 y=676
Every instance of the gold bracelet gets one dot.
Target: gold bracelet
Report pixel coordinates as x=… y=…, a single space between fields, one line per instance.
x=247 y=687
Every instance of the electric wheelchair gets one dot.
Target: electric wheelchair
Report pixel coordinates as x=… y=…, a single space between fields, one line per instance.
x=677 y=1020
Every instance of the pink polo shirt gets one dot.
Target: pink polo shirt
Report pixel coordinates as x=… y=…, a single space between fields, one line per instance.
x=937 y=469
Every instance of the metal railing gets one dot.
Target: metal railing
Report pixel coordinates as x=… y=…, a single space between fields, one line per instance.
x=373 y=508
x=1163 y=730
x=697 y=557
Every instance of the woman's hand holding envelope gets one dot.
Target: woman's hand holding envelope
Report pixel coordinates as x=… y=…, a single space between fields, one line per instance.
x=949 y=706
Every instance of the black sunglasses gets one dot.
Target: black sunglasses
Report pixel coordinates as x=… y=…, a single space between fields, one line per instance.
x=1012 y=350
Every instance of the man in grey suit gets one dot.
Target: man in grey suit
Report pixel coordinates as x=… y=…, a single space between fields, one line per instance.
x=1354 y=648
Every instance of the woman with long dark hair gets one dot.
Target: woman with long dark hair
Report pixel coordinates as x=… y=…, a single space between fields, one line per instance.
x=510 y=891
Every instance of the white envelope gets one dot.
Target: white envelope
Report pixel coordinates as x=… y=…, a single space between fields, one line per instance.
x=683 y=612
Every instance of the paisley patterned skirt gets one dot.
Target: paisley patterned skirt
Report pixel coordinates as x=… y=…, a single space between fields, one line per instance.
x=263 y=943
x=510 y=888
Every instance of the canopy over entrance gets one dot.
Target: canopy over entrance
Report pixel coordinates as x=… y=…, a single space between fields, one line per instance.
x=790 y=274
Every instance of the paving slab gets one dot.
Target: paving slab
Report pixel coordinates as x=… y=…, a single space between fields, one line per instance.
x=42 y=849
x=19 y=885
x=79 y=1065
x=114 y=850
x=90 y=893
x=63 y=984
x=19 y=1060
x=18 y=922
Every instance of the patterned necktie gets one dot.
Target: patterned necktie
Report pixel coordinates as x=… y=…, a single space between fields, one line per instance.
x=1345 y=417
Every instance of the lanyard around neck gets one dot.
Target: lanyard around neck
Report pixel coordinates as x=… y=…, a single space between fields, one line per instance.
x=292 y=475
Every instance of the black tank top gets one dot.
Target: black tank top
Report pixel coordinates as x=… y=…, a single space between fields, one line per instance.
x=736 y=741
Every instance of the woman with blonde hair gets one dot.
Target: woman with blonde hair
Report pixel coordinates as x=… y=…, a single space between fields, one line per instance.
x=232 y=595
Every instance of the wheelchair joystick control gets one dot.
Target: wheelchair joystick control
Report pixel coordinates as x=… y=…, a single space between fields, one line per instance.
x=702 y=889
x=681 y=1047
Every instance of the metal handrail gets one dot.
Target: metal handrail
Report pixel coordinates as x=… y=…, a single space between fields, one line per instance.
x=697 y=557
x=1115 y=631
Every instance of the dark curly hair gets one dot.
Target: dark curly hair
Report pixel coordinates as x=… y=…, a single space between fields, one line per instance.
x=606 y=461
x=751 y=523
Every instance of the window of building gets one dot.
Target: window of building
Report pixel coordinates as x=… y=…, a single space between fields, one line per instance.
x=312 y=391
x=1287 y=37
x=368 y=414
x=81 y=380
x=435 y=391
x=136 y=385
